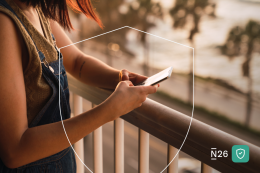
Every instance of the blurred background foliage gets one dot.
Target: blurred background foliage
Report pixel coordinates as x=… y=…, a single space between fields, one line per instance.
x=194 y=9
x=242 y=40
x=225 y=35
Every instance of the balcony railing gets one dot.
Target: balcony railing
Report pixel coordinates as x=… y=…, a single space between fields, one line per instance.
x=168 y=125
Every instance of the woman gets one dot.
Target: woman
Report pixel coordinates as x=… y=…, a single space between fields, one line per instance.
x=31 y=134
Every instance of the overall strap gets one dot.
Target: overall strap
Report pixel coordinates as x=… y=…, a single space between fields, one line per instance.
x=7 y=6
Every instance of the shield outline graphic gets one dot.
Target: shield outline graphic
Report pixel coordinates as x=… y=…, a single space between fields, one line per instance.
x=243 y=154
x=192 y=113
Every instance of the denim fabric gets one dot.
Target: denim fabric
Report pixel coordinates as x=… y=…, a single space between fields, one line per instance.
x=63 y=161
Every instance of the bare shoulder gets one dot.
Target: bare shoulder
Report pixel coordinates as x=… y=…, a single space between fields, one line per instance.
x=55 y=27
x=70 y=53
x=9 y=36
x=10 y=49
x=10 y=42
x=6 y=22
x=12 y=91
x=11 y=71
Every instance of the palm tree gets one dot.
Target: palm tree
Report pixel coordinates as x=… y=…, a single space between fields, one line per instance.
x=181 y=12
x=243 y=41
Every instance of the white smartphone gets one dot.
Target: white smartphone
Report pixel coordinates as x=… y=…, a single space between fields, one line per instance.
x=157 y=78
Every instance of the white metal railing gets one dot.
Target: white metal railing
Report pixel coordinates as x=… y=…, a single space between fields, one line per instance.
x=79 y=146
x=119 y=147
x=143 y=151
x=173 y=167
x=98 y=149
x=205 y=168
x=167 y=125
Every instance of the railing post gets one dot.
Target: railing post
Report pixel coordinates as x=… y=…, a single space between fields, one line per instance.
x=206 y=168
x=170 y=125
x=171 y=152
x=143 y=151
x=98 y=149
x=79 y=146
x=119 y=145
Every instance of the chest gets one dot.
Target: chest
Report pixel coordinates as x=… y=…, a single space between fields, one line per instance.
x=34 y=19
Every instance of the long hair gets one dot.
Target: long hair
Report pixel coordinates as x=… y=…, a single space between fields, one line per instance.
x=58 y=10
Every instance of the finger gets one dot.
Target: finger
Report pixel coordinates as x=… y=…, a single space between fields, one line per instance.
x=157 y=85
x=129 y=83
x=139 y=78
x=149 y=89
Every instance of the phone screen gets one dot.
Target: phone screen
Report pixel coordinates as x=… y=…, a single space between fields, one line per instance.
x=157 y=78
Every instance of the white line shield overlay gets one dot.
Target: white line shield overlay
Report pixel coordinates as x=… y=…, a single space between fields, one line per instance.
x=154 y=36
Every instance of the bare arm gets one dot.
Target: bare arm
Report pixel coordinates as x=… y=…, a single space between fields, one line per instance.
x=20 y=145
x=84 y=67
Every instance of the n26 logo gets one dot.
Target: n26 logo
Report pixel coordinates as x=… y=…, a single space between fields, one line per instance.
x=218 y=153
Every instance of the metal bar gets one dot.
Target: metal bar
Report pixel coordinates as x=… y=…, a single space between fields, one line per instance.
x=79 y=146
x=171 y=152
x=171 y=127
x=119 y=145
x=206 y=168
x=98 y=149
x=143 y=151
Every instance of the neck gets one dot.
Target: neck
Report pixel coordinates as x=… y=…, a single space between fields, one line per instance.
x=23 y=6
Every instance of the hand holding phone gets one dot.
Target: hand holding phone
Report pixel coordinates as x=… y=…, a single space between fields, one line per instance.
x=157 y=78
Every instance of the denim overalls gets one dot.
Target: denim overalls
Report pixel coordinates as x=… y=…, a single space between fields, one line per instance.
x=64 y=161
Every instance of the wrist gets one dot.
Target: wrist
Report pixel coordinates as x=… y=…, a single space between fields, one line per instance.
x=109 y=109
x=116 y=78
x=110 y=105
